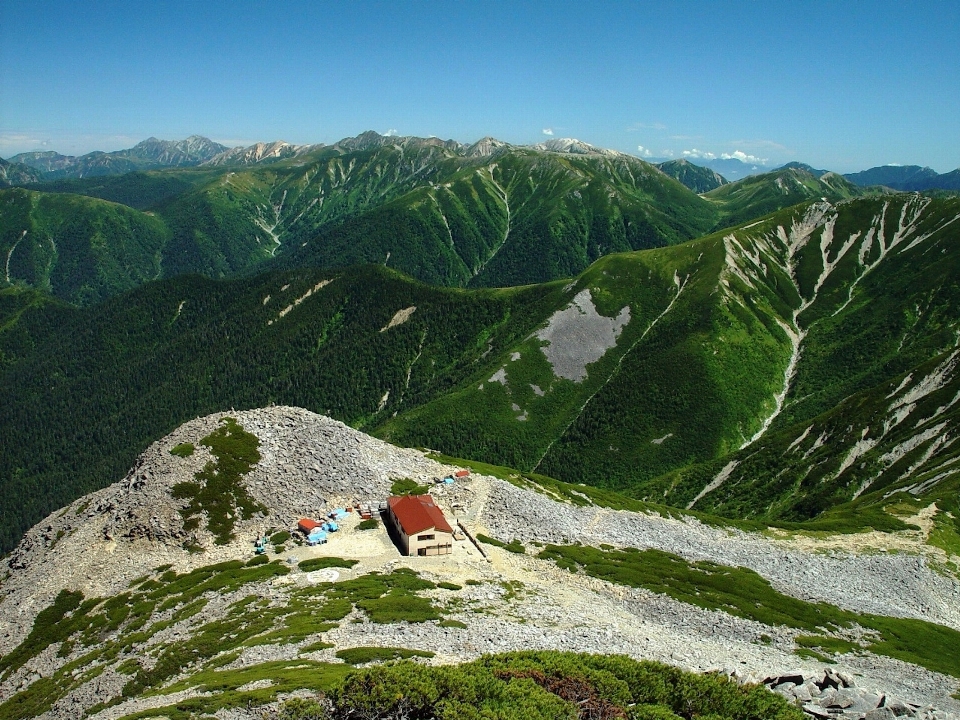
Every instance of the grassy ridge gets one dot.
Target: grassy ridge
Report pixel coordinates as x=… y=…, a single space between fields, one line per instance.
x=757 y=195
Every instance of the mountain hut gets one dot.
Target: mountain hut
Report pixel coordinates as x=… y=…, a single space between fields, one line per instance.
x=422 y=528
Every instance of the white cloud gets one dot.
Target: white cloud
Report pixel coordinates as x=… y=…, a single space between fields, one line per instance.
x=645 y=152
x=743 y=157
x=647 y=126
x=667 y=153
x=699 y=154
x=392 y=132
x=547 y=131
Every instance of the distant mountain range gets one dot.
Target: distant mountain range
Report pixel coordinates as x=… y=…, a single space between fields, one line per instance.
x=12 y=173
x=487 y=214
x=151 y=154
x=907 y=177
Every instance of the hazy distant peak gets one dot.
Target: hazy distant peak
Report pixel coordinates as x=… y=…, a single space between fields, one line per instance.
x=803 y=166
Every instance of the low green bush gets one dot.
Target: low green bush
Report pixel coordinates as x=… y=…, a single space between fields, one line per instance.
x=514 y=546
x=551 y=686
x=406 y=486
x=363 y=655
x=326 y=562
x=368 y=524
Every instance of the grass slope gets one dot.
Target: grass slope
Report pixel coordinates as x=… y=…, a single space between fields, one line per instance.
x=757 y=195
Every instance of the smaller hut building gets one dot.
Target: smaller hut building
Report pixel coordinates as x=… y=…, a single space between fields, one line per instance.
x=420 y=525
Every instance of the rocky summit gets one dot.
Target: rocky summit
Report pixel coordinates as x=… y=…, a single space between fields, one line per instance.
x=147 y=596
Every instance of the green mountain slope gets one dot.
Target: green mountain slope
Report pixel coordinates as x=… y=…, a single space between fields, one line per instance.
x=872 y=402
x=699 y=179
x=86 y=389
x=79 y=249
x=757 y=195
x=834 y=298
x=487 y=215
x=139 y=190
x=651 y=372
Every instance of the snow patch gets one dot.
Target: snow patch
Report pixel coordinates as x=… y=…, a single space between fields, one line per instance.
x=799 y=439
x=499 y=376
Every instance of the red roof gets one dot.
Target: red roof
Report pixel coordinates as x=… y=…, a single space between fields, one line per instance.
x=462 y=473
x=307 y=525
x=417 y=513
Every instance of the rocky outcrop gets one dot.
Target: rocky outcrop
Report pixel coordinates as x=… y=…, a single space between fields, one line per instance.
x=832 y=694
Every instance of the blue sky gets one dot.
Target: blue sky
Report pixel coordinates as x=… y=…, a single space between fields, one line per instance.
x=841 y=85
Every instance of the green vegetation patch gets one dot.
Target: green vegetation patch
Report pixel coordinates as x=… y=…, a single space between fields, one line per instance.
x=326 y=562
x=452 y=624
x=389 y=598
x=746 y=594
x=364 y=655
x=368 y=524
x=183 y=449
x=514 y=546
x=223 y=685
x=218 y=491
x=406 y=486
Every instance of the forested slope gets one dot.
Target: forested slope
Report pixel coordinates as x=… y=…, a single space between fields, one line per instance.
x=773 y=371
x=86 y=389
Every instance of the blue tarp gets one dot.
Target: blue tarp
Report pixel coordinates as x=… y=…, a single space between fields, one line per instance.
x=331 y=526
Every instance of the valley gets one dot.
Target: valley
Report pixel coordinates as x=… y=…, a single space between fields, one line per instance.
x=708 y=426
